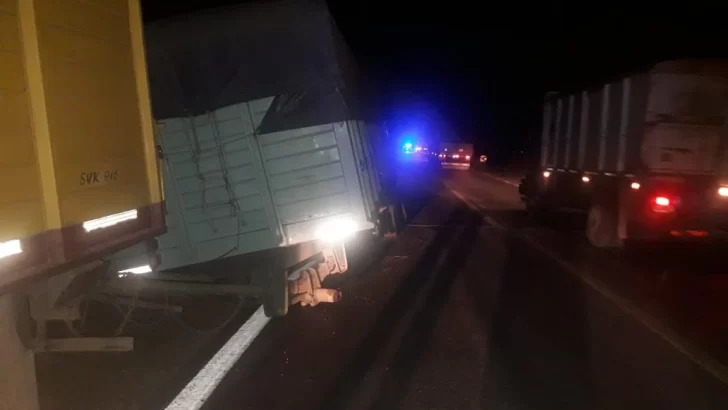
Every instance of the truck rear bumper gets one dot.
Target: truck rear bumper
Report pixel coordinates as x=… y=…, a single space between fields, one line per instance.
x=455 y=165
x=691 y=229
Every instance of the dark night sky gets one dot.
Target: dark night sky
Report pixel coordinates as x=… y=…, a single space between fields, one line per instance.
x=486 y=68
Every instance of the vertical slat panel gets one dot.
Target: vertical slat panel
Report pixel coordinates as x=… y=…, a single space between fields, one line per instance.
x=557 y=133
x=545 y=134
x=583 y=128
x=604 y=127
x=638 y=95
x=591 y=154
x=613 y=126
x=372 y=163
x=41 y=127
x=569 y=131
x=624 y=124
x=348 y=163
x=359 y=161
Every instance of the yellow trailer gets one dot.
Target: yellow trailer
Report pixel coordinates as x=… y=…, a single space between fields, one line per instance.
x=78 y=168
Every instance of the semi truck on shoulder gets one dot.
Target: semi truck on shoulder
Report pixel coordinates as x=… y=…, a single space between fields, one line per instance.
x=78 y=167
x=644 y=156
x=266 y=141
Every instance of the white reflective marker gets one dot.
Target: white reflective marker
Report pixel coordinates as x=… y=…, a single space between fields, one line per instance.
x=9 y=248
x=110 y=220
x=139 y=270
x=200 y=388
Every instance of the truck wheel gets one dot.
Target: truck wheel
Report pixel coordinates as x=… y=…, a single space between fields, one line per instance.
x=275 y=293
x=601 y=228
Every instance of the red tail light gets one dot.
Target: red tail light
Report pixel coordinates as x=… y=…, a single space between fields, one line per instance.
x=662 y=201
x=662 y=204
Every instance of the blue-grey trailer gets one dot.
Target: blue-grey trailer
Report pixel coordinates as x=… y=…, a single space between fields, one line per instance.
x=265 y=135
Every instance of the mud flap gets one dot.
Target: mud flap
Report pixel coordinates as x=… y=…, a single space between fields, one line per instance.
x=275 y=295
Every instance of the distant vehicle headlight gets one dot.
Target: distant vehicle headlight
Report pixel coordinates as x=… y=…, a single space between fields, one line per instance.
x=336 y=230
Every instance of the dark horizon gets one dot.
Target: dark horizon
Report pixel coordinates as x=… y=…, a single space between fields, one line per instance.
x=487 y=74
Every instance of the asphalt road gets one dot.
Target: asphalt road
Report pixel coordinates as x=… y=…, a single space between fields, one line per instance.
x=472 y=307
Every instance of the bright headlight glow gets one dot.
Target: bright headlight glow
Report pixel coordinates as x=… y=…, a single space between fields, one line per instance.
x=723 y=191
x=139 y=270
x=336 y=230
x=110 y=220
x=10 y=248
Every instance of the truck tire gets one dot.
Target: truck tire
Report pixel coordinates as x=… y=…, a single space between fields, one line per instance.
x=275 y=293
x=601 y=227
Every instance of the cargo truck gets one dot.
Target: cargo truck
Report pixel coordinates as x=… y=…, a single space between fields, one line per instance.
x=644 y=156
x=78 y=167
x=265 y=136
x=455 y=155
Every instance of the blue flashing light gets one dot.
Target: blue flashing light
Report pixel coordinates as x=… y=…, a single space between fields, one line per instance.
x=407 y=145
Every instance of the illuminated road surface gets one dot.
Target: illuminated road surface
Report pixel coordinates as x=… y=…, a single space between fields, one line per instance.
x=480 y=310
x=471 y=307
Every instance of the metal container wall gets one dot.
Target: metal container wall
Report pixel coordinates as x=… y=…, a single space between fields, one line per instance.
x=670 y=119
x=639 y=93
x=597 y=130
x=76 y=138
x=230 y=192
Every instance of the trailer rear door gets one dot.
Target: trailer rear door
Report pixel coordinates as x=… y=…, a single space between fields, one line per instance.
x=684 y=123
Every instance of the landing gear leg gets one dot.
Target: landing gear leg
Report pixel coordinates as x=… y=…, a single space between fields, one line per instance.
x=17 y=361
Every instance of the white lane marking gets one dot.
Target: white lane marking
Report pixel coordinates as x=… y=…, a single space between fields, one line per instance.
x=683 y=345
x=505 y=181
x=472 y=205
x=200 y=388
x=680 y=343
